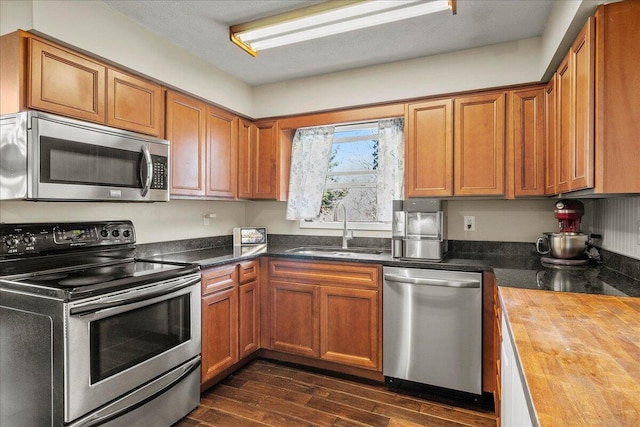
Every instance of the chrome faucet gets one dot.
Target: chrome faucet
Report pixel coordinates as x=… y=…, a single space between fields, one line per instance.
x=346 y=233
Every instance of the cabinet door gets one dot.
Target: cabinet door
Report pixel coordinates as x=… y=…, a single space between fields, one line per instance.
x=582 y=56
x=550 y=137
x=222 y=153
x=294 y=318
x=349 y=326
x=186 y=124
x=526 y=116
x=429 y=149
x=133 y=103
x=65 y=82
x=249 y=318
x=219 y=332
x=246 y=138
x=265 y=157
x=564 y=123
x=479 y=133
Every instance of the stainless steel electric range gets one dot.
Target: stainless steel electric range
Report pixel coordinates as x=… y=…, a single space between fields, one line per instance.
x=90 y=335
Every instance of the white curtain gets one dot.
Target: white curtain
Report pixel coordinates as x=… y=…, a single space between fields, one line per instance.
x=310 y=156
x=390 y=165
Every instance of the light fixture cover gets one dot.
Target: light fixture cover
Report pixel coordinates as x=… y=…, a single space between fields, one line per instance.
x=332 y=17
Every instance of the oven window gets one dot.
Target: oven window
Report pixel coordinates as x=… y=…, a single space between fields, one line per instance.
x=70 y=162
x=124 y=340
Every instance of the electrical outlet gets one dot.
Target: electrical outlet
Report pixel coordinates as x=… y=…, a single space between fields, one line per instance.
x=469 y=223
x=206 y=217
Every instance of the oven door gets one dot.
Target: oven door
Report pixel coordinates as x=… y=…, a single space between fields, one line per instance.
x=116 y=343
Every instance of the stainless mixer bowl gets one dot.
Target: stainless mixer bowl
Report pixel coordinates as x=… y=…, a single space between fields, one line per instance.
x=567 y=245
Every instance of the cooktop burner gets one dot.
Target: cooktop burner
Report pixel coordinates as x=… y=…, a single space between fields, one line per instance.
x=75 y=260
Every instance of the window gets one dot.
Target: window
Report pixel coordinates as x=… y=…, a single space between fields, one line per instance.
x=363 y=172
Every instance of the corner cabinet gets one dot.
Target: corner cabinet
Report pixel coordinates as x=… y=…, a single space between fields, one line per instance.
x=310 y=304
x=204 y=148
x=270 y=159
x=478 y=145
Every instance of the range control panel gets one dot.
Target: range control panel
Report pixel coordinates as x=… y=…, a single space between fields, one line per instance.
x=36 y=238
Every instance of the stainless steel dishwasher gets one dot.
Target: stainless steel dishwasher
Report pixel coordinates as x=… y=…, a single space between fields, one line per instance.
x=432 y=328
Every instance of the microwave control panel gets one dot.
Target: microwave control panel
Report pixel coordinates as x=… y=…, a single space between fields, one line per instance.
x=25 y=239
x=160 y=178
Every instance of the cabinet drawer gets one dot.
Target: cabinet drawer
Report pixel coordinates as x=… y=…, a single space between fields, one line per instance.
x=346 y=275
x=216 y=279
x=248 y=271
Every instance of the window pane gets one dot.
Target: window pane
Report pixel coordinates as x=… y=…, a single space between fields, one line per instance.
x=350 y=179
x=361 y=204
x=349 y=156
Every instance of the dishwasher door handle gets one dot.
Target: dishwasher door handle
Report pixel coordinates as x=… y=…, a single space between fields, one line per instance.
x=432 y=282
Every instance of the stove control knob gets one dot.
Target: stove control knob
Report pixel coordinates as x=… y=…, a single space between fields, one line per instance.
x=126 y=233
x=11 y=241
x=29 y=239
x=104 y=233
x=115 y=233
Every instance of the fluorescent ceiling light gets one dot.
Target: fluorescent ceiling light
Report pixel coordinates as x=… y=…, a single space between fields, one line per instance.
x=325 y=19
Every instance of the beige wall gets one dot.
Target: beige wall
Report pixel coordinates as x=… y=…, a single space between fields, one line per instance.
x=154 y=222
x=496 y=220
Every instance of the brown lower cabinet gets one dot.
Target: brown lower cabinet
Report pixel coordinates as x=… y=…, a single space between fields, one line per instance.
x=326 y=311
x=230 y=313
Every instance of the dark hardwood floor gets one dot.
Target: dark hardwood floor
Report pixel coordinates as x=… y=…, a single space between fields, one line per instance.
x=268 y=394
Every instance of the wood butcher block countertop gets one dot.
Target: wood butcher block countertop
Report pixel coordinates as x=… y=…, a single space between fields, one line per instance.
x=580 y=355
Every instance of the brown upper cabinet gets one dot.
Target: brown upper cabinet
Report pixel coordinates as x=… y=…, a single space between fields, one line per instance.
x=525 y=139
x=581 y=59
x=186 y=129
x=455 y=147
x=429 y=149
x=478 y=145
x=617 y=98
x=246 y=138
x=270 y=159
x=61 y=81
x=204 y=148
x=134 y=103
x=550 y=136
x=222 y=153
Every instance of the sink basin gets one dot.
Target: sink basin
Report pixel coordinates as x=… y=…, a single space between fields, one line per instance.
x=335 y=251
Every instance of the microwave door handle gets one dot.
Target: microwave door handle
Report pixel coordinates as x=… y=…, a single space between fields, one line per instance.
x=147 y=164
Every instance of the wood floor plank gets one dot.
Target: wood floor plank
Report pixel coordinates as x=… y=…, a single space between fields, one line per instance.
x=252 y=412
x=348 y=412
x=265 y=393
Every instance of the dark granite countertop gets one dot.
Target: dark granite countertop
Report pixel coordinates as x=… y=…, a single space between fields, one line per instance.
x=511 y=271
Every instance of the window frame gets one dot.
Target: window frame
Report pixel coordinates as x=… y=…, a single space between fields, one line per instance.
x=352 y=225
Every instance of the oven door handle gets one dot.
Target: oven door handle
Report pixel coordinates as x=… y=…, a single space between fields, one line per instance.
x=95 y=306
x=143 y=395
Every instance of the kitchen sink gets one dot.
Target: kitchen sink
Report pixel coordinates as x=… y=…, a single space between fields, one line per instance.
x=334 y=251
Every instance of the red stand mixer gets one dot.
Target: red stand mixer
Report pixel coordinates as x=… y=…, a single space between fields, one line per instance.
x=569 y=245
x=569 y=213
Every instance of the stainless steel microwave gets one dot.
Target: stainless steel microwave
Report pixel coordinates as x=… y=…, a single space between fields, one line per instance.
x=48 y=157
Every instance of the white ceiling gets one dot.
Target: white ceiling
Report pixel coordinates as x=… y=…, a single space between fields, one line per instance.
x=201 y=27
